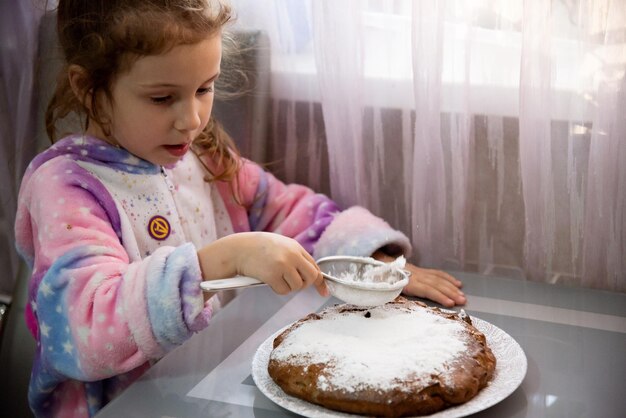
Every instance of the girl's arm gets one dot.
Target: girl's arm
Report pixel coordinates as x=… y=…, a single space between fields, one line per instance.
x=323 y=229
x=95 y=313
x=313 y=219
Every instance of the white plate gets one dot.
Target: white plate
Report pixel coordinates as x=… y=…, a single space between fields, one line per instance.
x=510 y=370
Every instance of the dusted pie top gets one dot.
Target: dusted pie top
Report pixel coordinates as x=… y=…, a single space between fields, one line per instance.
x=374 y=347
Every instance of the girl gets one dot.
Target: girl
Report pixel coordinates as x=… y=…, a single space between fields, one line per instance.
x=122 y=221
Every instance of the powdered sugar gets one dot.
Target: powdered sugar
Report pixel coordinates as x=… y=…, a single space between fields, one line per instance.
x=374 y=349
x=371 y=296
x=375 y=276
x=364 y=281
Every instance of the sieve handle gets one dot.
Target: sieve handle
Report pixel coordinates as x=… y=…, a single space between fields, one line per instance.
x=237 y=282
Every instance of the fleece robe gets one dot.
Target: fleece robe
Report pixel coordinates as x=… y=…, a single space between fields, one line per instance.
x=112 y=243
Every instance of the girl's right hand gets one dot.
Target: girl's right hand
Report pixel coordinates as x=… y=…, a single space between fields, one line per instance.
x=279 y=261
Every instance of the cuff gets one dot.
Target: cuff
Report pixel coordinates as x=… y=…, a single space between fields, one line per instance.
x=358 y=232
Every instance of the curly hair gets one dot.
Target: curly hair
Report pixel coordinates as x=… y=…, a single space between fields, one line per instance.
x=105 y=38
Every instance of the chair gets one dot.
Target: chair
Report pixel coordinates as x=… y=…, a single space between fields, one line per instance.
x=4 y=313
x=17 y=349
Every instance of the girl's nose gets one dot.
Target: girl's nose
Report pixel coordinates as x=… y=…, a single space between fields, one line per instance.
x=188 y=117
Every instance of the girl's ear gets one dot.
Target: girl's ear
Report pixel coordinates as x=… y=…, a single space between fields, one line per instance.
x=77 y=77
x=96 y=106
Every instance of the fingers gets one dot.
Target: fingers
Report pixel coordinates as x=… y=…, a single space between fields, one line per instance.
x=280 y=286
x=308 y=269
x=315 y=275
x=445 y=276
x=434 y=294
x=295 y=280
x=312 y=275
x=320 y=286
x=435 y=285
x=434 y=274
x=297 y=271
x=308 y=257
x=288 y=281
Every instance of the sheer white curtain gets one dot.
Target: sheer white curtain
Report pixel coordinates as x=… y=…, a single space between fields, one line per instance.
x=492 y=132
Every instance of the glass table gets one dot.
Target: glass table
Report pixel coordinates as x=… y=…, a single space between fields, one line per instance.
x=574 y=340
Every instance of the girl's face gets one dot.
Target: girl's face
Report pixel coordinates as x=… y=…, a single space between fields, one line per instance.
x=163 y=102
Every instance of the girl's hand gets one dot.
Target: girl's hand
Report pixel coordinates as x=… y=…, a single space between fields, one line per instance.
x=279 y=261
x=435 y=285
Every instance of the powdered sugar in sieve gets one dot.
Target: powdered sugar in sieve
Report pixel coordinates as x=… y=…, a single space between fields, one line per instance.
x=364 y=281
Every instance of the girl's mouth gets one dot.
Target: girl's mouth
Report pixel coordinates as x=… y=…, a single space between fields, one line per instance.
x=177 y=150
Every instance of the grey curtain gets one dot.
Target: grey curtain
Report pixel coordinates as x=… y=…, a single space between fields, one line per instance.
x=19 y=22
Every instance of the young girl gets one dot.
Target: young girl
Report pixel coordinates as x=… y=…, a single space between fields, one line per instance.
x=121 y=222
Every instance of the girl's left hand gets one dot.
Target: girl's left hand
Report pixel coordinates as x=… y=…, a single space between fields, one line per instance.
x=435 y=285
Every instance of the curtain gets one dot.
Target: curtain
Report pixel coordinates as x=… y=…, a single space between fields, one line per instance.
x=492 y=132
x=19 y=22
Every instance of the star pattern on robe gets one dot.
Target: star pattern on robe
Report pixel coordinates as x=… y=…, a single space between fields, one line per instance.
x=83 y=334
x=44 y=329
x=46 y=289
x=68 y=347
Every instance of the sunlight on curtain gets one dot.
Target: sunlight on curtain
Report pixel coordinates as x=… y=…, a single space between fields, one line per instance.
x=427 y=162
x=534 y=138
x=339 y=66
x=492 y=132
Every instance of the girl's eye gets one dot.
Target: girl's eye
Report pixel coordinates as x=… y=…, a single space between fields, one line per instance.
x=204 y=90
x=160 y=99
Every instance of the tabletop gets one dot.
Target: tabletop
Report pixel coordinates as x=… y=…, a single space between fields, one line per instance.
x=574 y=340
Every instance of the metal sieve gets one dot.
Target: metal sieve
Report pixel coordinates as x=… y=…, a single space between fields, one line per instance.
x=345 y=280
